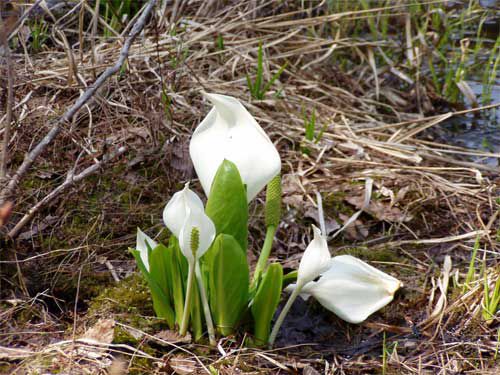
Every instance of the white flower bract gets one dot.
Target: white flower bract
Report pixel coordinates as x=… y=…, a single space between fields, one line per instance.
x=316 y=259
x=230 y=132
x=351 y=289
x=142 y=243
x=184 y=212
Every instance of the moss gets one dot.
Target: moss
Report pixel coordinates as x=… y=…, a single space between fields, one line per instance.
x=334 y=204
x=130 y=303
x=122 y=336
x=130 y=295
x=6 y=368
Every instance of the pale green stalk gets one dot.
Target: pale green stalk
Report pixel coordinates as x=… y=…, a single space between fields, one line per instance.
x=206 y=307
x=384 y=356
x=187 y=302
x=264 y=254
x=283 y=314
x=272 y=219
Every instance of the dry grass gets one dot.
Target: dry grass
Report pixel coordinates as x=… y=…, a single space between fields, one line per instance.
x=429 y=200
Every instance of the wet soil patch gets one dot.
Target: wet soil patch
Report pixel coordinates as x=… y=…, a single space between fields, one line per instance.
x=312 y=328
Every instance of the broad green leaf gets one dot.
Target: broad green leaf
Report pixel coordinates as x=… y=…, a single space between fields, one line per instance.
x=176 y=277
x=158 y=262
x=196 y=314
x=227 y=203
x=161 y=302
x=289 y=278
x=228 y=282
x=266 y=301
x=159 y=270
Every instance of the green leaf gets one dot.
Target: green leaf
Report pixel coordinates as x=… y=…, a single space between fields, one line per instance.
x=227 y=203
x=177 y=269
x=266 y=301
x=158 y=261
x=250 y=85
x=228 y=282
x=260 y=72
x=161 y=301
x=196 y=314
x=290 y=278
x=274 y=78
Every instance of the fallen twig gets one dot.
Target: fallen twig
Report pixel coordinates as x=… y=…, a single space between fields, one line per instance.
x=9 y=105
x=30 y=157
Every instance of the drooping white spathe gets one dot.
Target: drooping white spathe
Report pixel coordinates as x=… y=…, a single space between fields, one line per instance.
x=184 y=212
x=351 y=288
x=316 y=259
x=230 y=132
x=142 y=243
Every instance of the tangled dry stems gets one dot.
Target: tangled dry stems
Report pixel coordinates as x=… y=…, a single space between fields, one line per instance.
x=431 y=200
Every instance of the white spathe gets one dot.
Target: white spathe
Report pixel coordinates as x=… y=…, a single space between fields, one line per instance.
x=316 y=259
x=351 y=288
x=175 y=212
x=230 y=132
x=142 y=243
x=184 y=212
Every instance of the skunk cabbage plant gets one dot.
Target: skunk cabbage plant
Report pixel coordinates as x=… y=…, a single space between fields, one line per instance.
x=200 y=281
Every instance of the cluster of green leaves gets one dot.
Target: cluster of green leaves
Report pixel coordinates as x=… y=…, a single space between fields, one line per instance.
x=491 y=299
x=311 y=133
x=233 y=299
x=491 y=296
x=167 y=283
x=39 y=35
x=258 y=88
x=116 y=13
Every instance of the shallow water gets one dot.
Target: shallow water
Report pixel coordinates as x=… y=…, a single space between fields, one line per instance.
x=477 y=131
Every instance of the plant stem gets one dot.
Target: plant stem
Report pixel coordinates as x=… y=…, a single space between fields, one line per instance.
x=264 y=254
x=187 y=302
x=283 y=314
x=206 y=307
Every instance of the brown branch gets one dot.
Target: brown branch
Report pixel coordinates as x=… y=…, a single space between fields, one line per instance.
x=30 y=157
x=70 y=180
x=9 y=105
